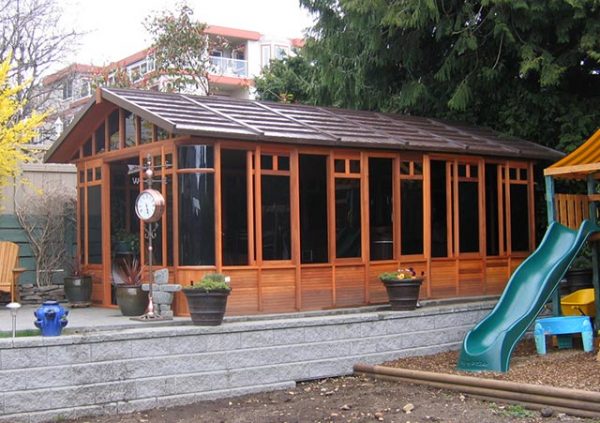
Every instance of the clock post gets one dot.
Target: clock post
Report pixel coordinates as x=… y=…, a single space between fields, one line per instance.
x=149 y=207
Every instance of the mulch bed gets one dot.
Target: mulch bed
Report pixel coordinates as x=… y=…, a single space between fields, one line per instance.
x=566 y=368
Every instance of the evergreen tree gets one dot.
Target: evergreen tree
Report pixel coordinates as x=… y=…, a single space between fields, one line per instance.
x=529 y=68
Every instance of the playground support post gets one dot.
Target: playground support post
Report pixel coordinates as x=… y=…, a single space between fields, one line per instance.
x=591 y=189
x=551 y=218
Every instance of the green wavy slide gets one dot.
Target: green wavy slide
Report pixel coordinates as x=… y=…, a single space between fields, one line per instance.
x=489 y=345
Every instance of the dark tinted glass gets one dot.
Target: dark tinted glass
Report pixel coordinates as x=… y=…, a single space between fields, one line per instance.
x=439 y=247
x=113 y=130
x=411 y=217
x=146 y=131
x=100 y=139
x=283 y=163
x=196 y=219
x=276 y=217
x=196 y=157
x=94 y=224
x=347 y=217
x=313 y=209
x=380 y=209
x=519 y=218
x=266 y=162
x=468 y=217
x=491 y=210
x=129 y=129
x=234 y=207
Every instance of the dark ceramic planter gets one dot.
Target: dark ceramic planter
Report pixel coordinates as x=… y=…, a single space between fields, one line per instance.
x=206 y=308
x=403 y=294
x=578 y=279
x=78 y=290
x=132 y=300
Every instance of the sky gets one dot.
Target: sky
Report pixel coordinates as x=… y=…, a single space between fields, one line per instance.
x=113 y=28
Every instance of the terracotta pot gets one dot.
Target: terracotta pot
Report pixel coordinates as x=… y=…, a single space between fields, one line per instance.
x=131 y=300
x=207 y=308
x=403 y=294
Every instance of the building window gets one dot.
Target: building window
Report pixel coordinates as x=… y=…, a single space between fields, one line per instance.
x=86 y=89
x=196 y=206
x=67 y=89
x=347 y=218
x=94 y=200
x=280 y=52
x=265 y=55
x=439 y=224
x=468 y=208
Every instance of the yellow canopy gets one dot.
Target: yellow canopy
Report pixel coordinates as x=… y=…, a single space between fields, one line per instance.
x=580 y=163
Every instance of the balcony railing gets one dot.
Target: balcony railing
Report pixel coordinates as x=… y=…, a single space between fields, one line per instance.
x=228 y=67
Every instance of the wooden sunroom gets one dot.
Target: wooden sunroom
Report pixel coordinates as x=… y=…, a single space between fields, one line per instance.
x=302 y=206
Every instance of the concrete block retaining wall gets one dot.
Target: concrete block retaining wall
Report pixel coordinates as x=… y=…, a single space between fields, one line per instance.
x=127 y=370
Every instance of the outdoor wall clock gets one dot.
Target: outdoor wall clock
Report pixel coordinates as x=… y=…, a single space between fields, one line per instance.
x=149 y=205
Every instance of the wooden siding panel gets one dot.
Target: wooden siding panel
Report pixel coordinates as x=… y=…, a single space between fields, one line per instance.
x=496 y=275
x=349 y=285
x=377 y=292
x=244 y=291
x=317 y=288
x=278 y=290
x=443 y=278
x=470 y=277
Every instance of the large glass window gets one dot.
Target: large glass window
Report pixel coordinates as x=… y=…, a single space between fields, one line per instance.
x=234 y=207
x=276 y=228
x=196 y=206
x=129 y=129
x=113 y=130
x=519 y=217
x=94 y=199
x=492 y=227
x=313 y=209
x=347 y=217
x=381 y=208
x=411 y=192
x=100 y=139
x=468 y=207
x=195 y=157
x=196 y=219
x=146 y=130
x=439 y=235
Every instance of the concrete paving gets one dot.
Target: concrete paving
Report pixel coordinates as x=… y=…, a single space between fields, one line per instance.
x=100 y=318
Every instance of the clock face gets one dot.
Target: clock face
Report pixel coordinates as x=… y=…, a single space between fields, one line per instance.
x=149 y=205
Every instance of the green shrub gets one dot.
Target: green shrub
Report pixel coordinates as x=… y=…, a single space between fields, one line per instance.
x=212 y=282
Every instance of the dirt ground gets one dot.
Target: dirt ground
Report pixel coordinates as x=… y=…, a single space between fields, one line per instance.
x=360 y=399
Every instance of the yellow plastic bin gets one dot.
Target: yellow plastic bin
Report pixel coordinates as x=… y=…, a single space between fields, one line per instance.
x=579 y=303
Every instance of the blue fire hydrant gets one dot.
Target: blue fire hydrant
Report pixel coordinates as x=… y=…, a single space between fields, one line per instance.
x=51 y=318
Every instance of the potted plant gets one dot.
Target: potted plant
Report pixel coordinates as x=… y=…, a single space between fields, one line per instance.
x=78 y=286
x=125 y=242
x=402 y=287
x=207 y=299
x=132 y=300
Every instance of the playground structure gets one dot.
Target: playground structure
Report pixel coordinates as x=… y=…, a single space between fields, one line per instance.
x=572 y=221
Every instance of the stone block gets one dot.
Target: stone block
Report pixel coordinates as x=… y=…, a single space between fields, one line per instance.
x=115 y=350
x=289 y=336
x=162 y=297
x=161 y=276
x=256 y=338
x=172 y=287
x=23 y=358
x=68 y=354
x=150 y=347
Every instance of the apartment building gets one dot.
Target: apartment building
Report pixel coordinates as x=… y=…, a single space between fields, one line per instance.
x=233 y=67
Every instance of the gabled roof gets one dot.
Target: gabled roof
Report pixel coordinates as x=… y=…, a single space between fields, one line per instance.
x=581 y=162
x=228 y=118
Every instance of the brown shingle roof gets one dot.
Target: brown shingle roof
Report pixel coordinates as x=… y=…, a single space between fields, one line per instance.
x=290 y=123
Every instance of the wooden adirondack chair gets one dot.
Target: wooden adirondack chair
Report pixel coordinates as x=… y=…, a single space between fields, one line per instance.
x=9 y=268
